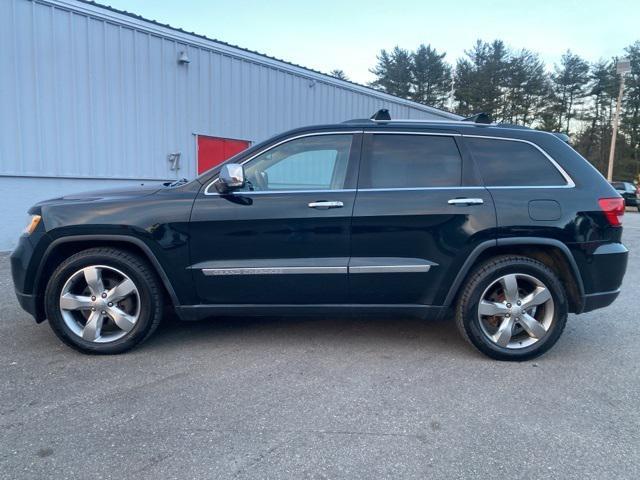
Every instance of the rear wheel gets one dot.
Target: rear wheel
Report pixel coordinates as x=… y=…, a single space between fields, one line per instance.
x=103 y=300
x=512 y=308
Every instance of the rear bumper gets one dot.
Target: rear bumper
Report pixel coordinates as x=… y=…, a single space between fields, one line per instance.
x=602 y=273
x=593 y=301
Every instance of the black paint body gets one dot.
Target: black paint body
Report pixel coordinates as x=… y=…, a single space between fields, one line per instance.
x=180 y=230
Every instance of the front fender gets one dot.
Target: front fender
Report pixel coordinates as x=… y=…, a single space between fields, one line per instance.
x=91 y=240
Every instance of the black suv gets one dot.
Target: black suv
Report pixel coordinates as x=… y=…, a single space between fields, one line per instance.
x=507 y=228
x=629 y=192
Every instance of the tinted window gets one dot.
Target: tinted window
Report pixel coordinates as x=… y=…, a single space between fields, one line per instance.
x=509 y=163
x=408 y=161
x=309 y=163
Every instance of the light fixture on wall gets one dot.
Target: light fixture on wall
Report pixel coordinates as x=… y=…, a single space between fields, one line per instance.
x=184 y=58
x=312 y=83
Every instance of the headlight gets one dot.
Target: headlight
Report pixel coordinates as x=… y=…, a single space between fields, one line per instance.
x=33 y=224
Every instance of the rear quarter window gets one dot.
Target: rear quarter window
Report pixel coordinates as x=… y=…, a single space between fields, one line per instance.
x=506 y=163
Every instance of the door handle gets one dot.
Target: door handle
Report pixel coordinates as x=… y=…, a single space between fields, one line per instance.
x=324 y=204
x=465 y=201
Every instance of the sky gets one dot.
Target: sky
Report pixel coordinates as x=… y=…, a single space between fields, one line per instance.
x=348 y=34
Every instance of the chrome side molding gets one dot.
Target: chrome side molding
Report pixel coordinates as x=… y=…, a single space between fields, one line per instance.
x=212 y=272
x=293 y=266
x=389 y=269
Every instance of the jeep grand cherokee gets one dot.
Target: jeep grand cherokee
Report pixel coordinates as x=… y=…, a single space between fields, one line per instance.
x=507 y=228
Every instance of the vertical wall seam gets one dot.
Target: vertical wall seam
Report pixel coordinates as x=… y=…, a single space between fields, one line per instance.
x=38 y=133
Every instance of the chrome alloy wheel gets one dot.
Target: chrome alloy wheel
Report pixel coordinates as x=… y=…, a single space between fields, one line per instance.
x=516 y=311
x=100 y=304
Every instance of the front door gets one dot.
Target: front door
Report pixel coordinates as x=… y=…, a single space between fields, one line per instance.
x=419 y=211
x=284 y=237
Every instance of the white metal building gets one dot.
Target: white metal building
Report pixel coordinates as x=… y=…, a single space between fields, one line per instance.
x=91 y=97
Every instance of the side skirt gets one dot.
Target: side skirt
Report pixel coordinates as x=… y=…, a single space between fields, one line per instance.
x=199 y=312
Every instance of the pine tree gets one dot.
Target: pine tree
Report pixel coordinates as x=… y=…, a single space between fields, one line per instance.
x=480 y=79
x=431 y=77
x=393 y=72
x=630 y=124
x=569 y=86
x=594 y=140
x=339 y=74
x=526 y=90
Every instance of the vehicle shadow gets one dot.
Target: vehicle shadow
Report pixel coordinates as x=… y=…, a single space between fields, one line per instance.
x=303 y=332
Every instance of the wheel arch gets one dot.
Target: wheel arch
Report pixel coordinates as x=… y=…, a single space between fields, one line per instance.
x=63 y=247
x=553 y=253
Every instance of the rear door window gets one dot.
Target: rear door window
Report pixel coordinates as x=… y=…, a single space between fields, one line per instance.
x=508 y=163
x=411 y=161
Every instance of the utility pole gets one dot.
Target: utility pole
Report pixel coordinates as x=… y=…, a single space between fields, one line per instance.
x=623 y=66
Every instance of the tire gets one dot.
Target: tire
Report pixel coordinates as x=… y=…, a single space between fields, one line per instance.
x=511 y=333
x=88 y=313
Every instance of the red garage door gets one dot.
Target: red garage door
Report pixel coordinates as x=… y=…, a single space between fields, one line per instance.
x=214 y=150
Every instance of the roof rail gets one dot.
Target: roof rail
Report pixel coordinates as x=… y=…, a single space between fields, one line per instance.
x=383 y=116
x=562 y=136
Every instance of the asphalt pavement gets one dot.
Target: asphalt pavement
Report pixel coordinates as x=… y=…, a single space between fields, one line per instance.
x=321 y=398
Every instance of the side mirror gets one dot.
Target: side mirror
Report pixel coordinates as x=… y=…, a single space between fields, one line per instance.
x=231 y=177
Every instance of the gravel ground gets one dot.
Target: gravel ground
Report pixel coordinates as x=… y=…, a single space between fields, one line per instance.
x=323 y=398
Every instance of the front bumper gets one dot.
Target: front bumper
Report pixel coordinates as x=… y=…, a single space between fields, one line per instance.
x=23 y=268
x=28 y=303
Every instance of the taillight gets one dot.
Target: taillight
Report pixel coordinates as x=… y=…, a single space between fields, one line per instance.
x=613 y=209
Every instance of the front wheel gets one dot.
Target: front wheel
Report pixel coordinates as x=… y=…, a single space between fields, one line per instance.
x=512 y=308
x=103 y=300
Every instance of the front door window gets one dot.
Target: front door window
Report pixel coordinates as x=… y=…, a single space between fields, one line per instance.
x=308 y=163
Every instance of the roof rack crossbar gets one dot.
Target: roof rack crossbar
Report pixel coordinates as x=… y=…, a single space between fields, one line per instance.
x=381 y=115
x=481 y=117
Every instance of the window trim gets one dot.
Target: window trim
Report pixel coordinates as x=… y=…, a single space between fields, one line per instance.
x=569 y=181
x=270 y=147
x=567 y=178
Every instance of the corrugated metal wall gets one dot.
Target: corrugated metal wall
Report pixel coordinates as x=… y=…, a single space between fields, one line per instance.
x=82 y=96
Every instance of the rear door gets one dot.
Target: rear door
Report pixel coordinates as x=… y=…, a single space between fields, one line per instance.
x=419 y=211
